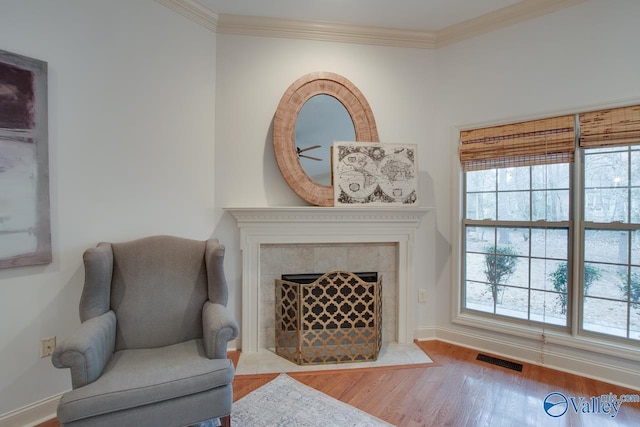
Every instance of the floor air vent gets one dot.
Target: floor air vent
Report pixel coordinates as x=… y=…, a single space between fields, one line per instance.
x=499 y=362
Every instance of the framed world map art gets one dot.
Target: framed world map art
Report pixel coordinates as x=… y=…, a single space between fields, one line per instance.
x=375 y=174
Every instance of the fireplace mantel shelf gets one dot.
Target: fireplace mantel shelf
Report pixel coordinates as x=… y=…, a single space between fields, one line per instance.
x=316 y=225
x=254 y=215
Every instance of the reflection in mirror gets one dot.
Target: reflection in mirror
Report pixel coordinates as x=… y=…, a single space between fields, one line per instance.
x=321 y=121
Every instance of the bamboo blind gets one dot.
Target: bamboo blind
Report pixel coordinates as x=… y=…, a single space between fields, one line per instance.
x=535 y=142
x=617 y=126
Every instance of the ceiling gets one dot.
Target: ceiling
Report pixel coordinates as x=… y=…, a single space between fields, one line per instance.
x=420 y=15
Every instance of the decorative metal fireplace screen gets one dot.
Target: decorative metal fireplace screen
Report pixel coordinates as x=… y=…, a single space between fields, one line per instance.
x=337 y=318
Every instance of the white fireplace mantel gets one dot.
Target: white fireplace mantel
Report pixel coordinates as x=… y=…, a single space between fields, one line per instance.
x=310 y=224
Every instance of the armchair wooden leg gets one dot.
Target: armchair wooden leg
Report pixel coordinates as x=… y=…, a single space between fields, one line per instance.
x=225 y=421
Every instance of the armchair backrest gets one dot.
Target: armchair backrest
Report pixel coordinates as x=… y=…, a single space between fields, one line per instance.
x=158 y=287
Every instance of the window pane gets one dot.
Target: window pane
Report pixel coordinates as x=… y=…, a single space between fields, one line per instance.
x=513 y=206
x=478 y=238
x=549 y=275
x=605 y=281
x=481 y=206
x=551 y=205
x=608 y=317
x=548 y=177
x=606 y=170
x=481 y=180
x=511 y=179
x=500 y=268
x=478 y=297
x=635 y=247
x=634 y=294
x=520 y=276
x=549 y=243
x=606 y=246
x=635 y=205
x=548 y=307
x=635 y=167
x=513 y=302
x=475 y=265
x=634 y=288
x=606 y=205
x=514 y=240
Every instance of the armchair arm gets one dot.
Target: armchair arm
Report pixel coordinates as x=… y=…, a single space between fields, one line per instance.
x=214 y=258
x=88 y=350
x=98 y=267
x=218 y=327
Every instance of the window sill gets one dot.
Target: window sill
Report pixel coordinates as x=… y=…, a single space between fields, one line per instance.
x=554 y=335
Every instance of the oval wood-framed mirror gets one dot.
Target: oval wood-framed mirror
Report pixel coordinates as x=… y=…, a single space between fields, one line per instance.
x=284 y=124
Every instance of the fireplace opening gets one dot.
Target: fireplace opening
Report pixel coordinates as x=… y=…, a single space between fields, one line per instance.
x=334 y=317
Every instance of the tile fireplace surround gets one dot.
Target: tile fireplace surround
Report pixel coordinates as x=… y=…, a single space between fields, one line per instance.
x=310 y=226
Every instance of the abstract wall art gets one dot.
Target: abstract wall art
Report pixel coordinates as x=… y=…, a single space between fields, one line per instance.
x=25 y=224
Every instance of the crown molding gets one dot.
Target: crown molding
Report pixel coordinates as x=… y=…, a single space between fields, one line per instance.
x=324 y=31
x=501 y=18
x=194 y=11
x=381 y=36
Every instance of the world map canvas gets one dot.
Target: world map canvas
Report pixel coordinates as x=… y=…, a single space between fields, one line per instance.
x=373 y=173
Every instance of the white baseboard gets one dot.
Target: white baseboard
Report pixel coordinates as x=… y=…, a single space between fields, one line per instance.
x=608 y=373
x=425 y=333
x=33 y=414
x=233 y=345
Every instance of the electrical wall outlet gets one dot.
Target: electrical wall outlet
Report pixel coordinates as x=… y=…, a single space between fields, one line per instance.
x=422 y=295
x=47 y=345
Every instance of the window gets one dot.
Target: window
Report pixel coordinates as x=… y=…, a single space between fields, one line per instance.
x=516 y=235
x=518 y=231
x=611 y=226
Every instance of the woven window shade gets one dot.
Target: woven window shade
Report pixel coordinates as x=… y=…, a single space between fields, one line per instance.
x=617 y=126
x=520 y=144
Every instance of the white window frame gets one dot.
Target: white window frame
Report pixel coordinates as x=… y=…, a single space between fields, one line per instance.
x=573 y=337
x=578 y=327
x=568 y=225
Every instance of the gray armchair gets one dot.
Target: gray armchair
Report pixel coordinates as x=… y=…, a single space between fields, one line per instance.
x=152 y=347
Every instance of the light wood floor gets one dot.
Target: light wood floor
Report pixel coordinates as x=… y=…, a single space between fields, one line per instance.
x=456 y=390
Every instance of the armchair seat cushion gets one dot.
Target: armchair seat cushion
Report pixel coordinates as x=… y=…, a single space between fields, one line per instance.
x=141 y=377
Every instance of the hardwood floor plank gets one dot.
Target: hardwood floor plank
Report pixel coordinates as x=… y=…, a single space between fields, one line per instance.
x=455 y=390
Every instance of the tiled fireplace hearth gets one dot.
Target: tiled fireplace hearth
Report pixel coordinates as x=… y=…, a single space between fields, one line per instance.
x=276 y=240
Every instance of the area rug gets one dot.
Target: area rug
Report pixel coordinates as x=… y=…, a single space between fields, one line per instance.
x=391 y=354
x=287 y=402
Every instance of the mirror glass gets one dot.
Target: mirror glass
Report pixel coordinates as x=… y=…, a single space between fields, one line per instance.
x=321 y=121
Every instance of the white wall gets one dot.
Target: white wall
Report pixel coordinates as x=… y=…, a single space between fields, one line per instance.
x=583 y=57
x=131 y=132
x=252 y=75
x=131 y=112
